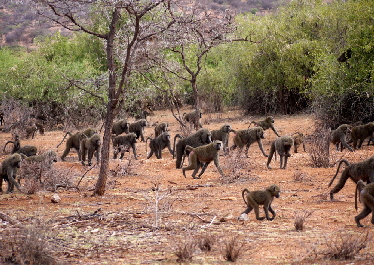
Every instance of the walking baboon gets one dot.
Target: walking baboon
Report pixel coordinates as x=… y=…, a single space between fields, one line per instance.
x=120 y=127
x=367 y=200
x=74 y=141
x=363 y=170
x=265 y=124
x=194 y=118
x=125 y=140
x=247 y=137
x=158 y=144
x=298 y=140
x=121 y=149
x=222 y=134
x=16 y=144
x=201 y=137
x=338 y=137
x=261 y=197
x=282 y=145
x=161 y=128
x=90 y=146
x=30 y=131
x=8 y=172
x=202 y=156
x=360 y=133
x=138 y=128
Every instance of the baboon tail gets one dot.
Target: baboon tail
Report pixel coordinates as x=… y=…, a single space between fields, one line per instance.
x=63 y=139
x=244 y=191
x=6 y=144
x=337 y=170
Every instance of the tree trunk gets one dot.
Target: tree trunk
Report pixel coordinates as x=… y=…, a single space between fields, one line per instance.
x=195 y=93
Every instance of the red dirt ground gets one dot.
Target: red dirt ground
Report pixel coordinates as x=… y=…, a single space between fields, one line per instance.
x=125 y=231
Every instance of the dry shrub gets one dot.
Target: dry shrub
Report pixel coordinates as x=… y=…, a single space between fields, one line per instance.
x=235 y=166
x=320 y=147
x=187 y=130
x=300 y=176
x=206 y=242
x=300 y=219
x=184 y=251
x=123 y=169
x=232 y=249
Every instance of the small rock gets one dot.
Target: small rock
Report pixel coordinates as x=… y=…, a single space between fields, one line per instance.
x=55 y=198
x=243 y=217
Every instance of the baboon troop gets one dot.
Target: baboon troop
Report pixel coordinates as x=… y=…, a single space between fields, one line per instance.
x=158 y=144
x=89 y=147
x=266 y=124
x=194 y=118
x=138 y=128
x=120 y=127
x=253 y=199
x=74 y=141
x=8 y=172
x=128 y=140
x=201 y=157
x=222 y=134
x=161 y=128
x=360 y=133
x=282 y=145
x=367 y=199
x=247 y=137
x=298 y=140
x=338 y=137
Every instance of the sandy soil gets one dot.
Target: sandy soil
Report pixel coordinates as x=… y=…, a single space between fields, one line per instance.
x=127 y=229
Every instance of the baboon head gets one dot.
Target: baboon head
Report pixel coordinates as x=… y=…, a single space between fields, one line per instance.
x=274 y=190
x=226 y=128
x=260 y=133
x=143 y=122
x=166 y=136
x=15 y=160
x=217 y=144
x=205 y=135
x=287 y=141
x=124 y=125
x=269 y=119
x=345 y=128
x=95 y=140
x=132 y=137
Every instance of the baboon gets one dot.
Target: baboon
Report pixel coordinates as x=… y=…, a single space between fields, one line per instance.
x=247 y=137
x=201 y=137
x=8 y=172
x=121 y=149
x=74 y=141
x=202 y=156
x=298 y=140
x=261 y=197
x=90 y=146
x=125 y=140
x=16 y=144
x=194 y=118
x=360 y=133
x=120 y=127
x=363 y=170
x=28 y=150
x=161 y=128
x=158 y=144
x=338 y=137
x=222 y=134
x=367 y=199
x=265 y=124
x=40 y=128
x=30 y=131
x=282 y=145
x=138 y=128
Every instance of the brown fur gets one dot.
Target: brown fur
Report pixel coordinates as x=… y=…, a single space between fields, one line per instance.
x=247 y=137
x=74 y=141
x=120 y=127
x=222 y=134
x=161 y=128
x=282 y=145
x=338 y=137
x=138 y=128
x=89 y=147
x=360 y=133
x=158 y=144
x=194 y=118
x=298 y=140
x=266 y=124
x=8 y=172
x=128 y=140
x=367 y=200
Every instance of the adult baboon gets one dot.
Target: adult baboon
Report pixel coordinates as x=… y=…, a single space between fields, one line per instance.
x=138 y=128
x=363 y=170
x=16 y=144
x=28 y=150
x=90 y=146
x=261 y=197
x=282 y=145
x=360 y=133
x=202 y=156
x=125 y=140
x=222 y=134
x=30 y=131
x=161 y=128
x=298 y=140
x=265 y=124
x=194 y=118
x=8 y=172
x=201 y=137
x=338 y=137
x=74 y=141
x=158 y=144
x=120 y=127
x=367 y=200
x=247 y=137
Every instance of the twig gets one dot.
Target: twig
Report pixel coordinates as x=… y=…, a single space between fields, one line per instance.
x=85 y=175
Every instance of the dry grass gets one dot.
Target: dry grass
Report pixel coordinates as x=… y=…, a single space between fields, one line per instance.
x=206 y=242
x=300 y=219
x=184 y=251
x=232 y=249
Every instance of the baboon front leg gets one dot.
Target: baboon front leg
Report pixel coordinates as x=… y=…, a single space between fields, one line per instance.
x=134 y=151
x=261 y=148
x=205 y=165
x=272 y=211
x=216 y=162
x=11 y=183
x=365 y=212
x=266 y=210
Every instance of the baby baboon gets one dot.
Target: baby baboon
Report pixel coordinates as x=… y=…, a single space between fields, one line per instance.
x=16 y=144
x=298 y=140
x=201 y=137
x=125 y=140
x=265 y=124
x=338 y=137
x=74 y=140
x=120 y=127
x=363 y=170
x=222 y=134
x=360 y=133
x=247 y=137
x=261 y=197
x=8 y=172
x=194 y=118
x=138 y=128
x=282 y=145
x=161 y=128
x=202 y=156
x=90 y=146
x=158 y=144
x=28 y=150
x=367 y=199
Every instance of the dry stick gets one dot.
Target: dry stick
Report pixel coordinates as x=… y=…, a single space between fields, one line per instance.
x=85 y=175
x=7 y=219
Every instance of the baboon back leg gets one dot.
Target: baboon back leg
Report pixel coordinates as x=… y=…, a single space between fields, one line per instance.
x=11 y=183
x=134 y=151
x=256 y=208
x=205 y=165
x=249 y=208
x=66 y=152
x=196 y=170
x=150 y=154
x=365 y=212
x=344 y=143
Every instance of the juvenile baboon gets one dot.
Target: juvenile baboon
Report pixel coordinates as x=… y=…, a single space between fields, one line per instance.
x=28 y=150
x=74 y=141
x=367 y=200
x=16 y=144
x=125 y=140
x=363 y=170
x=298 y=140
x=30 y=131
x=120 y=127
x=282 y=145
x=222 y=134
x=138 y=128
x=338 y=137
x=161 y=128
x=8 y=172
x=261 y=197
x=265 y=124
x=247 y=137
x=89 y=146
x=158 y=144
x=194 y=118
x=360 y=133
x=202 y=156
x=201 y=137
